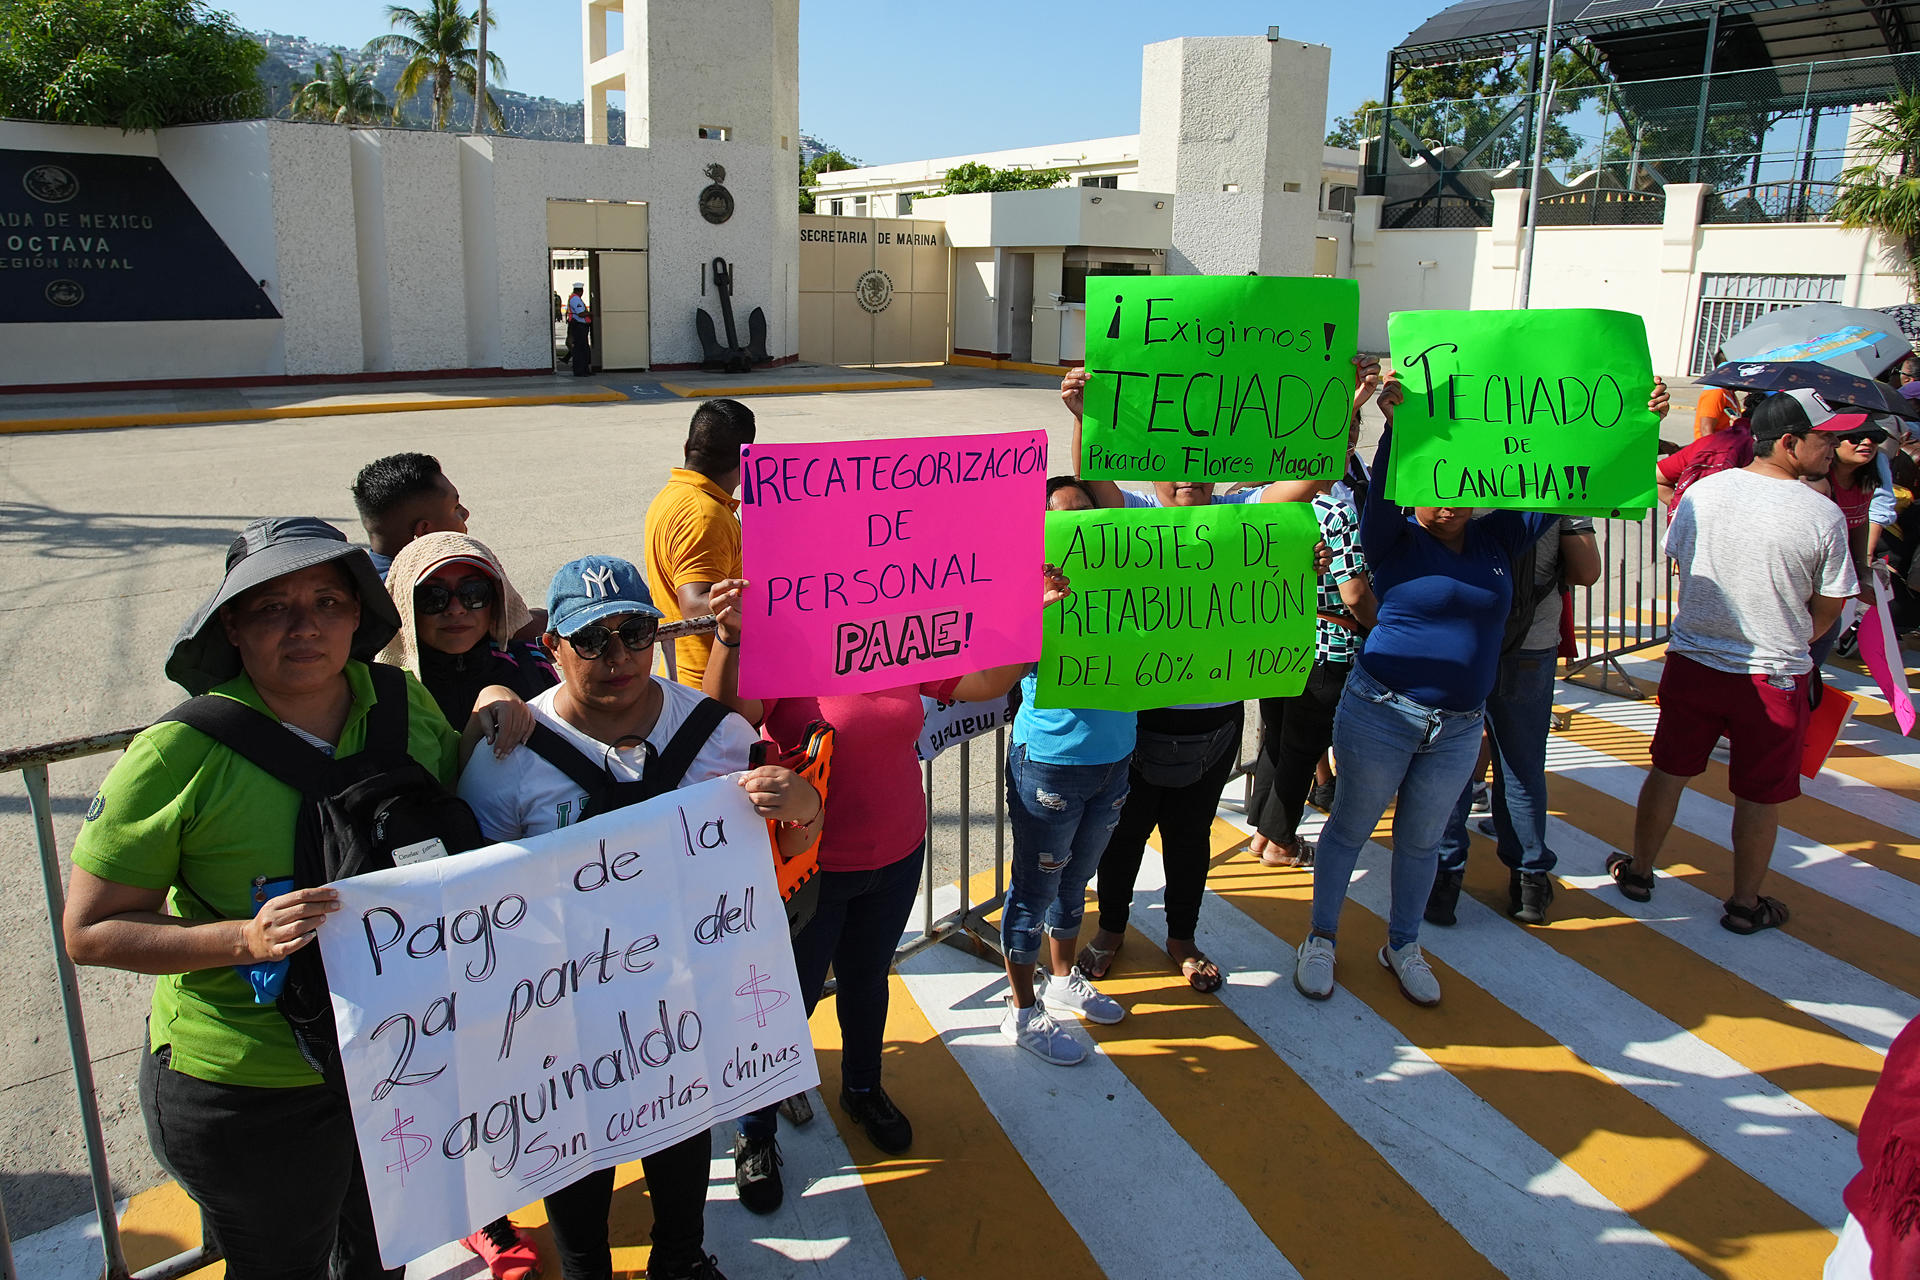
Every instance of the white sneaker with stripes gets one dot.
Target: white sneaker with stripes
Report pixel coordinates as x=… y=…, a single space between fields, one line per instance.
x=1035 y=1031
x=1409 y=965
x=1075 y=994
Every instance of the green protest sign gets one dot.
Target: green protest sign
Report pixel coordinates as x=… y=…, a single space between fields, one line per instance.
x=1179 y=604
x=1225 y=378
x=1524 y=410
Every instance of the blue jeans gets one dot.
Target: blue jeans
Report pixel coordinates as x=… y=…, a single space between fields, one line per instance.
x=1519 y=714
x=1386 y=743
x=854 y=929
x=1061 y=816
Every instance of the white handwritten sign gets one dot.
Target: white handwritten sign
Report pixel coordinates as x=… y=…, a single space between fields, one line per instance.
x=948 y=723
x=514 y=1018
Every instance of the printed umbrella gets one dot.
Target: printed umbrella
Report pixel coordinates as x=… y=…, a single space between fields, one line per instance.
x=1839 y=388
x=1906 y=317
x=1851 y=339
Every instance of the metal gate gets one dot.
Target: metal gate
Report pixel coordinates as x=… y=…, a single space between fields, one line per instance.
x=1730 y=302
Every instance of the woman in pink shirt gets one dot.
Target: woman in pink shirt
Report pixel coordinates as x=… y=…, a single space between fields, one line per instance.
x=871 y=852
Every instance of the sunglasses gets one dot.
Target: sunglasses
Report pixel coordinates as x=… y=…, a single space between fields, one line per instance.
x=636 y=634
x=1862 y=437
x=432 y=597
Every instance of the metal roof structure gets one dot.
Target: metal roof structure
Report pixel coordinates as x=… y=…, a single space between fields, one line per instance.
x=1647 y=39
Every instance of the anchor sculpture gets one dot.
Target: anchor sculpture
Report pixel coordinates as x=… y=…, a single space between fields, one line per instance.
x=731 y=357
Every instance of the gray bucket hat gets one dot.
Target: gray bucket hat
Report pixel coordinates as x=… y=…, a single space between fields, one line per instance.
x=270 y=548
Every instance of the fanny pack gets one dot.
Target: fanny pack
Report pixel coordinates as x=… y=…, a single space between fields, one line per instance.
x=1182 y=759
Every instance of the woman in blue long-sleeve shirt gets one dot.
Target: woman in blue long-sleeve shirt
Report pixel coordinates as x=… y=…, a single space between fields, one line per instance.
x=1409 y=720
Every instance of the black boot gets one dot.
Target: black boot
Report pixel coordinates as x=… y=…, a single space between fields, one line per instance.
x=1536 y=892
x=1444 y=897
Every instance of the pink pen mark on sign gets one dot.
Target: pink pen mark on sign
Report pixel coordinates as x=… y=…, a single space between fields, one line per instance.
x=756 y=988
x=406 y=1157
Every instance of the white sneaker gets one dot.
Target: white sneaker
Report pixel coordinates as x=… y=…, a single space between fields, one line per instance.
x=1417 y=982
x=1313 y=971
x=1040 y=1035
x=1075 y=994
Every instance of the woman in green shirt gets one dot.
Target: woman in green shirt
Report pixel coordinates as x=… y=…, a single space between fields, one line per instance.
x=174 y=875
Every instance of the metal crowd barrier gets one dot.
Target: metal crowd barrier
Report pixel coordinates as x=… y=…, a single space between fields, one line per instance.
x=31 y=763
x=1631 y=607
x=966 y=922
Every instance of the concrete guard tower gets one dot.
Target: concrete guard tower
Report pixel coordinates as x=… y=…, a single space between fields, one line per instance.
x=717 y=70
x=1231 y=126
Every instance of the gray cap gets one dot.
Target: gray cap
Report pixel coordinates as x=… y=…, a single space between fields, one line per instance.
x=269 y=548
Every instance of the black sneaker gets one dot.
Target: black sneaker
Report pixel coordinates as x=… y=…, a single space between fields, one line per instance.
x=756 y=1173
x=874 y=1111
x=704 y=1266
x=1320 y=795
x=1444 y=898
x=1536 y=893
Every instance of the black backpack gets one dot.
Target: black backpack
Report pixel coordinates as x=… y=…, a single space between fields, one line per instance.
x=659 y=774
x=355 y=811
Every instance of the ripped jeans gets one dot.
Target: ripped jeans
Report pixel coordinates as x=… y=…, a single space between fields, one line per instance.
x=1061 y=816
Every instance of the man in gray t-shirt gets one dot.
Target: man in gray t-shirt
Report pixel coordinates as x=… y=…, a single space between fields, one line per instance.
x=1763 y=568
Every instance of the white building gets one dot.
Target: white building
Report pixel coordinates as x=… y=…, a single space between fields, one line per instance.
x=349 y=251
x=896 y=190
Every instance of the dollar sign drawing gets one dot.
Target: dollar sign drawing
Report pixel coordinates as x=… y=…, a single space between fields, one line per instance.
x=407 y=1156
x=755 y=987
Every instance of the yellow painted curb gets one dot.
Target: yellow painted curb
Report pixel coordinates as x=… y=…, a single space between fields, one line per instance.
x=1011 y=366
x=796 y=388
x=101 y=422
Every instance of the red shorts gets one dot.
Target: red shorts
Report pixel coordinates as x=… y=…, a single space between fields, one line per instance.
x=1765 y=728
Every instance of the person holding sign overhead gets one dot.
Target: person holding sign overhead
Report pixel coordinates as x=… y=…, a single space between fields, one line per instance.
x=1067 y=778
x=1410 y=715
x=870 y=863
x=631 y=735
x=1183 y=755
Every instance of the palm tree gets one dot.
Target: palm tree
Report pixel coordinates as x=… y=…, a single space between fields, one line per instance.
x=1882 y=192
x=340 y=94
x=436 y=42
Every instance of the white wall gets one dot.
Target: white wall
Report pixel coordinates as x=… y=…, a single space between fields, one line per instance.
x=395 y=250
x=218 y=168
x=1227 y=124
x=1119 y=156
x=1057 y=217
x=1654 y=271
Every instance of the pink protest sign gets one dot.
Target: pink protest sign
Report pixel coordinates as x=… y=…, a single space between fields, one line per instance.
x=875 y=564
x=1881 y=651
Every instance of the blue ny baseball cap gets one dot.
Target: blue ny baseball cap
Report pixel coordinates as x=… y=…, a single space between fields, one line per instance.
x=586 y=590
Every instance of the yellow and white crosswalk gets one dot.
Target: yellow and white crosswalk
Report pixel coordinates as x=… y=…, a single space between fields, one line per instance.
x=1630 y=1091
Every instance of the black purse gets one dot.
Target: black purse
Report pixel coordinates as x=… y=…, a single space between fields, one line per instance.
x=1182 y=759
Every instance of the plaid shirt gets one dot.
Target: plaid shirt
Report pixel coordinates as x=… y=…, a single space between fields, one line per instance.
x=1340 y=530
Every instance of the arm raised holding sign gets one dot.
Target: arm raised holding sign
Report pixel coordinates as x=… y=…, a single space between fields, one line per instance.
x=871 y=853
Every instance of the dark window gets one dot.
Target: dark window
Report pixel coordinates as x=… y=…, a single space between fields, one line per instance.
x=1110 y=181
x=1073 y=276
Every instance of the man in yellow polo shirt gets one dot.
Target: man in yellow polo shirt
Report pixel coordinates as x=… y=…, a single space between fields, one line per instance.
x=693 y=535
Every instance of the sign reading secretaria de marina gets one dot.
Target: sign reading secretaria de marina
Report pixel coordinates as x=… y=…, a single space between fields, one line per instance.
x=112 y=237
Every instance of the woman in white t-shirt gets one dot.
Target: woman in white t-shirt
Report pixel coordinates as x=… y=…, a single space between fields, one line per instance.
x=618 y=716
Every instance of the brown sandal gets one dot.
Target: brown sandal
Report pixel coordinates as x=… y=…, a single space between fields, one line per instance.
x=1095 y=961
x=1633 y=886
x=1300 y=858
x=1202 y=974
x=1766 y=913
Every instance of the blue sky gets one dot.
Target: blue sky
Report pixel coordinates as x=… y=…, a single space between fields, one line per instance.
x=889 y=80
